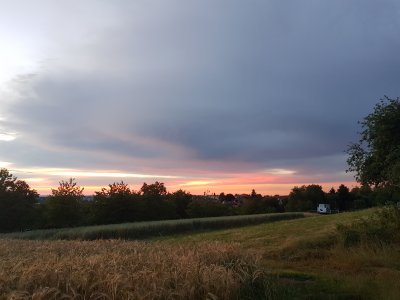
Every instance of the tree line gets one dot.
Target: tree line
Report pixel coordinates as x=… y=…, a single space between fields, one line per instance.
x=20 y=208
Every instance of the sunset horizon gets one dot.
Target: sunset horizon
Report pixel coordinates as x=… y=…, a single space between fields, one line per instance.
x=269 y=182
x=220 y=97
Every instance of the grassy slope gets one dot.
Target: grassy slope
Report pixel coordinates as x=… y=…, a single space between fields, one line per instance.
x=306 y=261
x=273 y=238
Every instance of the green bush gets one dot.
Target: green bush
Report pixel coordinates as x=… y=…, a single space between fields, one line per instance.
x=381 y=227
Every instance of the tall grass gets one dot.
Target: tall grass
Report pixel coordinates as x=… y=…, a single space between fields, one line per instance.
x=383 y=227
x=116 y=269
x=360 y=257
x=149 y=229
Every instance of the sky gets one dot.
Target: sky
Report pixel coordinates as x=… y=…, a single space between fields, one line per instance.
x=206 y=96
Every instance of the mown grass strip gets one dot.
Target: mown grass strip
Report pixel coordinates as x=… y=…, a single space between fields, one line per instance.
x=150 y=229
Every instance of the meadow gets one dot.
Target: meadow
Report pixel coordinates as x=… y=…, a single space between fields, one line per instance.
x=151 y=228
x=305 y=258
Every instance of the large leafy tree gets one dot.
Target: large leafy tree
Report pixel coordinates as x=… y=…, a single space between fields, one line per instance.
x=156 y=189
x=305 y=198
x=64 y=207
x=17 y=203
x=344 y=198
x=156 y=207
x=375 y=158
x=115 y=204
x=181 y=200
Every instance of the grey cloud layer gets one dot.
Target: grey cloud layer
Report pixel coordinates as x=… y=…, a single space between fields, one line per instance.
x=260 y=82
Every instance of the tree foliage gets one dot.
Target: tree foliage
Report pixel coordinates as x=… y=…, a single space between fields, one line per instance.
x=259 y=205
x=68 y=189
x=156 y=189
x=305 y=198
x=375 y=158
x=207 y=208
x=344 y=198
x=115 y=204
x=180 y=200
x=64 y=207
x=116 y=189
x=17 y=203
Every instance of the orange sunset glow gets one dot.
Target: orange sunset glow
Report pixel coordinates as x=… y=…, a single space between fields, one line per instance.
x=268 y=182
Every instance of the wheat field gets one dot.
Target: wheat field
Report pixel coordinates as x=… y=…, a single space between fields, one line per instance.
x=116 y=269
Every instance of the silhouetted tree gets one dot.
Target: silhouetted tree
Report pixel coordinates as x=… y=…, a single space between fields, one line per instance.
x=230 y=198
x=207 y=208
x=221 y=197
x=156 y=189
x=17 y=203
x=344 y=199
x=180 y=200
x=116 y=204
x=266 y=204
x=383 y=195
x=64 y=207
x=375 y=158
x=305 y=198
x=156 y=206
x=272 y=204
x=254 y=195
x=332 y=198
x=362 y=196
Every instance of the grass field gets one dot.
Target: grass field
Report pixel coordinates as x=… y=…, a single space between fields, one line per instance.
x=140 y=230
x=305 y=259
x=291 y=259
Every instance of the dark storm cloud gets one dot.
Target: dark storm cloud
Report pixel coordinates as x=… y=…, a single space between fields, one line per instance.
x=260 y=82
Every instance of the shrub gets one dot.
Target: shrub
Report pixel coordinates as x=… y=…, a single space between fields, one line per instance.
x=381 y=227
